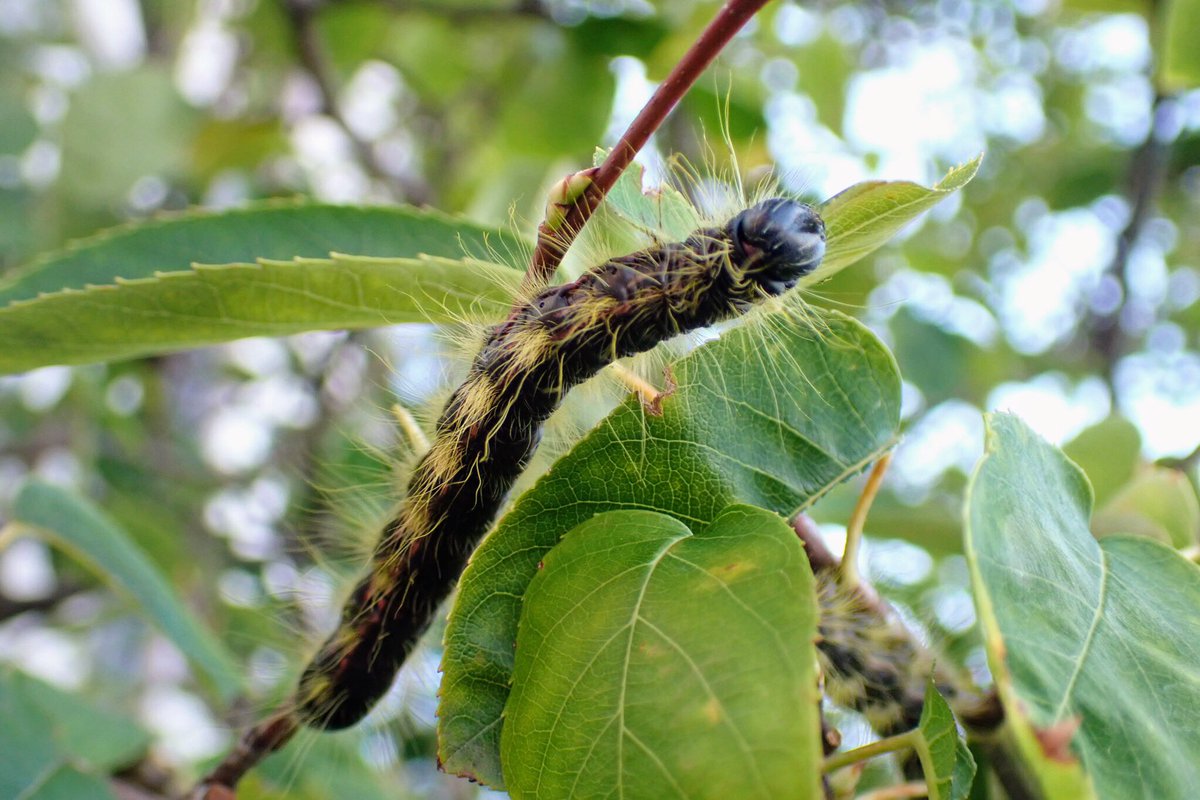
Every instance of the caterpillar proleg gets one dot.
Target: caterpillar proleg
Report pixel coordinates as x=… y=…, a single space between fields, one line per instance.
x=492 y=423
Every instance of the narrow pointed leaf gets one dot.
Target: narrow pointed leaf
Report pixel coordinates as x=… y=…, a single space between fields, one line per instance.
x=74 y=524
x=212 y=304
x=133 y=290
x=274 y=230
x=861 y=219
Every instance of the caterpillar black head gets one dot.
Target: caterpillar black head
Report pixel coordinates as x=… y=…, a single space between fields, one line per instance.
x=777 y=242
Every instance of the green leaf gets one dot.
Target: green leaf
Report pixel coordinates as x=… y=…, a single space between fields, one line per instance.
x=948 y=764
x=53 y=741
x=68 y=783
x=862 y=218
x=1108 y=452
x=1142 y=7
x=124 y=126
x=1181 y=56
x=1100 y=635
x=318 y=765
x=18 y=128
x=279 y=231
x=562 y=101
x=74 y=524
x=1159 y=503
x=212 y=304
x=619 y=685
x=77 y=724
x=665 y=211
x=609 y=36
x=773 y=414
x=824 y=66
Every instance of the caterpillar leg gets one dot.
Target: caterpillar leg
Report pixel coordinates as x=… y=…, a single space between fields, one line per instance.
x=650 y=396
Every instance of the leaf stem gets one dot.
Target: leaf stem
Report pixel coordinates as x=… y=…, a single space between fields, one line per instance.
x=849 y=573
x=553 y=241
x=898 y=792
x=901 y=741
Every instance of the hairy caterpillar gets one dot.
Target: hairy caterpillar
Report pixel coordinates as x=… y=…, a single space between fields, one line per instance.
x=492 y=422
x=870 y=661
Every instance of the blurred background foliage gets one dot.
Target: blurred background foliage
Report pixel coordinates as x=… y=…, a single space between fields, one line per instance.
x=1063 y=284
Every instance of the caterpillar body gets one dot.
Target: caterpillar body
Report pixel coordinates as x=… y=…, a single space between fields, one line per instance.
x=492 y=423
x=870 y=662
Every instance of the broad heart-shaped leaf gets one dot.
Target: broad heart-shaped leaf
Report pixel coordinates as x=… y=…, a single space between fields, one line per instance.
x=652 y=662
x=948 y=764
x=84 y=531
x=54 y=745
x=1100 y=635
x=133 y=291
x=212 y=304
x=773 y=414
x=862 y=218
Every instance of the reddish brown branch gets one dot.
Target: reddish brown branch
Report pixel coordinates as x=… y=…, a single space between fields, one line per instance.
x=553 y=241
x=256 y=744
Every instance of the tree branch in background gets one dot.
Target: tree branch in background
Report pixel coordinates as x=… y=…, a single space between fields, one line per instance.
x=555 y=237
x=10 y=608
x=523 y=8
x=1143 y=182
x=301 y=15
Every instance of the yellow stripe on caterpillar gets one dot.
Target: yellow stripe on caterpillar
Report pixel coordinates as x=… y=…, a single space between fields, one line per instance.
x=492 y=423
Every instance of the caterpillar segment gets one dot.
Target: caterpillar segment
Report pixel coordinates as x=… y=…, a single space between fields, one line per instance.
x=491 y=424
x=871 y=663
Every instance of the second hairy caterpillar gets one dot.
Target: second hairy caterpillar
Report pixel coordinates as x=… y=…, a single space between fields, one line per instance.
x=492 y=423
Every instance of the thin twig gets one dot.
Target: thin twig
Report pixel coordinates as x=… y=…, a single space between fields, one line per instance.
x=1144 y=180
x=854 y=528
x=10 y=608
x=901 y=741
x=274 y=732
x=553 y=241
x=257 y=743
x=898 y=792
x=532 y=9
x=301 y=15
x=820 y=557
